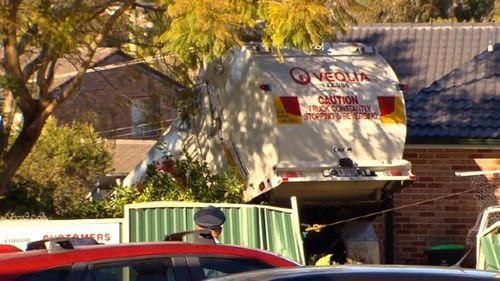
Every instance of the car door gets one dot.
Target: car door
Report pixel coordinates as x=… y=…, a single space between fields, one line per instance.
x=209 y=266
x=60 y=273
x=160 y=268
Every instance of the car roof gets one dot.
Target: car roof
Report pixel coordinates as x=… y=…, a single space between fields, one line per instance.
x=35 y=260
x=371 y=270
x=6 y=248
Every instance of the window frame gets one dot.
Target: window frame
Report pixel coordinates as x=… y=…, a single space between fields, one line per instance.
x=196 y=270
x=140 y=107
x=66 y=267
x=178 y=262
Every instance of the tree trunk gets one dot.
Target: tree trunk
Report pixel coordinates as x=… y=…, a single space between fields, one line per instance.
x=15 y=156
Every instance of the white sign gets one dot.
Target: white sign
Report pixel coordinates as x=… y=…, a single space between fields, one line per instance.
x=19 y=233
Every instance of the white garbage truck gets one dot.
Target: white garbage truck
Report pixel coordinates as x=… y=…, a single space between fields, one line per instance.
x=327 y=127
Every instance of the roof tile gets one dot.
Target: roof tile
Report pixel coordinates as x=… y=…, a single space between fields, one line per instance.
x=454 y=82
x=127 y=153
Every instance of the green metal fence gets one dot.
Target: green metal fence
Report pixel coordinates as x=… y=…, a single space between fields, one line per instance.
x=490 y=245
x=488 y=240
x=257 y=226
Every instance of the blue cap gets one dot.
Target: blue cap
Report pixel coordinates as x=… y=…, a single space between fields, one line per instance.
x=209 y=217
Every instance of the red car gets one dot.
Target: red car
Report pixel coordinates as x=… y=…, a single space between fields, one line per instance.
x=171 y=260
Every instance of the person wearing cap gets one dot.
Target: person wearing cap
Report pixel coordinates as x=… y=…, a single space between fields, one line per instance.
x=210 y=218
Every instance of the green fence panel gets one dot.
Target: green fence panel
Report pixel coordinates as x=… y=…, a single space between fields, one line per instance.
x=256 y=226
x=490 y=245
x=280 y=241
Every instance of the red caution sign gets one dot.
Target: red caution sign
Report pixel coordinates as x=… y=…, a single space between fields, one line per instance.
x=392 y=110
x=288 y=110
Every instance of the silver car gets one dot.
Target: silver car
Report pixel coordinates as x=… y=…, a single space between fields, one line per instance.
x=364 y=273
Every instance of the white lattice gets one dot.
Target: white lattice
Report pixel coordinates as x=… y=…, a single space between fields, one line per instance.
x=484 y=185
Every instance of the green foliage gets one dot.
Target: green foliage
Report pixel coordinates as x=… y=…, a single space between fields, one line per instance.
x=27 y=196
x=200 y=31
x=110 y=207
x=63 y=166
x=7 y=82
x=191 y=181
x=473 y=10
x=298 y=23
x=61 y=27
x=428 y=10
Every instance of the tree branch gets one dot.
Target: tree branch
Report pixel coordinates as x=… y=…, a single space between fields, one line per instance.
x=26 y=38
x=13 y=64
x=150 y=7
x=75 y=82
x=11 y=56
x=33 y=65
x=51 y=72
x=101 y=8
x=46 y=97
x=41 y=83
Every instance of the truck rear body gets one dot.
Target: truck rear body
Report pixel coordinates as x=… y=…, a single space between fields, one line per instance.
x=327 y=127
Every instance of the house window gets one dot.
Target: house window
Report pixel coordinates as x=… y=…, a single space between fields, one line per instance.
x=145 y=117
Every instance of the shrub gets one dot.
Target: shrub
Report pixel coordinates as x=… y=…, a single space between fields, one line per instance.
x=64 y=165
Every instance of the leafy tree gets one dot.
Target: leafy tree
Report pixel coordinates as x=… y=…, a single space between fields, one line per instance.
x=36 y=34
x=62 y=168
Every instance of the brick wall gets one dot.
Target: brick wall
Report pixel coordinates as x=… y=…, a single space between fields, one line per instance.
x=444 y=221
x=104 y=98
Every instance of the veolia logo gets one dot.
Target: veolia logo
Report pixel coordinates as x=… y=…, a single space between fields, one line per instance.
x=304 y=77
x=300 y=75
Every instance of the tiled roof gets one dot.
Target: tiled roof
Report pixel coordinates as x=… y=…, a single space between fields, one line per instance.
x=105 y=59
x=422 y=53
x=67 y=67
x=127 y=153
x=454 y=82
x=463 y=104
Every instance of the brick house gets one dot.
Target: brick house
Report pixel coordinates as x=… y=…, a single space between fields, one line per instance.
x=123 y=98
x=453 y=74
x=452 y=123
x=128 y=102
